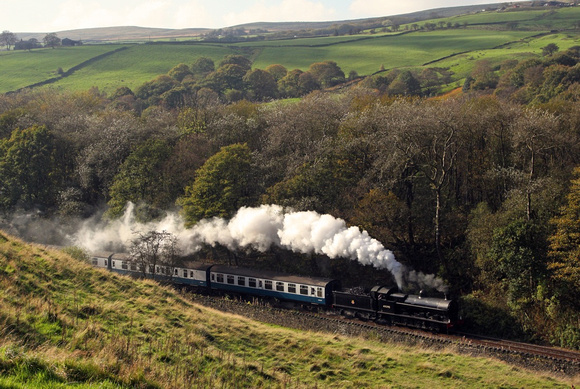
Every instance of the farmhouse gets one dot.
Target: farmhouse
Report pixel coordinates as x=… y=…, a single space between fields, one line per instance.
x=70 y=42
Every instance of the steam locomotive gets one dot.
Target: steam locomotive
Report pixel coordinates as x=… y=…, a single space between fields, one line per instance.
x=383 y=304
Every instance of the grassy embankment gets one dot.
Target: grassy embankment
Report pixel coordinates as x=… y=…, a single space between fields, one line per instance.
x=63 y=323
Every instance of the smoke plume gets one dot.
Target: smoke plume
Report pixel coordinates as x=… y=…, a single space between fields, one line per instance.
x=260 y=229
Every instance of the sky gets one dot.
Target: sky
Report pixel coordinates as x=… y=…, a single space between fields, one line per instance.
x=46 y=16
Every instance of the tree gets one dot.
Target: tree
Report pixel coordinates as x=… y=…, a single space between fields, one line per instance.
x=141 y=180
x=483 y=76
x=239 y=60
x=155 y=252
x=289 y=85
x=221 y=186
x=29 y=169
x=549 y=49
x=327 y=73
x=277 y=71
x=518 y=250
x=565 y=242
x=228 y=76
x=261 y=84
x=51 y=40
x=8 y=39
x=156 y=87
x=179 y=72
x=535 y=133
x=405 y=85
x=202 y=66
x=307 y=83
x=427 y=141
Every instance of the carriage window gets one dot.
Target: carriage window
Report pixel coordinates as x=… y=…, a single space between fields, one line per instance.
x=106 y=263
x=191 y=274
x=304 y=290
x=242 y=281
x=220 y=278
x=113 y=263
x=280 y=286
x=95 y=262
x=231 y=280
x=268 y=285
x=133 y=266
x=319 y=292
x=252 y=282
x=176 y=272
x=124 y=265
x=291 y=288
x=185 y=274
x=312 y=292
x=213 y=277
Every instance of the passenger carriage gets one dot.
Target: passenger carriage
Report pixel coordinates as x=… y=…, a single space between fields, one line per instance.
x=311 y=290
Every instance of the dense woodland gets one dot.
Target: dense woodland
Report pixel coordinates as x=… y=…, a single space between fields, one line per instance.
x=482 y=188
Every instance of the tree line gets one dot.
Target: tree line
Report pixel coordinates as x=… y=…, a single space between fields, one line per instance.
x=481 y=189
x=10 y=40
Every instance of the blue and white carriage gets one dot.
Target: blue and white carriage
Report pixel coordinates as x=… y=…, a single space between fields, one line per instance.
x=311 y=290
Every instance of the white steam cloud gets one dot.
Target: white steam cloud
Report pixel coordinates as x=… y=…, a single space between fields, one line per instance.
x=260 y=229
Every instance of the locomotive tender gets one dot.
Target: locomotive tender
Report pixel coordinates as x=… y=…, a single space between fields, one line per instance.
x=383 y=304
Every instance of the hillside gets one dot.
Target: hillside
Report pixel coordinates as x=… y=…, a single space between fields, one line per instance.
x=64 y=323
x=454 y=43
x=125 y=33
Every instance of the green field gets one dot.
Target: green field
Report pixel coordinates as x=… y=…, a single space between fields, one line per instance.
x=538 y=18
x=485 y=37
x=367 y=56
x=22 y=68
x=138 y=64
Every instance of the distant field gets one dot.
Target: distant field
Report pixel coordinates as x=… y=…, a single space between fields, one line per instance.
x=367 y=56
x=463 y=64
x=485 y=37
x=562 y=18
x=22 y=68
x=139 y=64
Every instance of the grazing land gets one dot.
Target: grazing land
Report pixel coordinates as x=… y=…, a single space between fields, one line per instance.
x=63 y=323
x=491 y=35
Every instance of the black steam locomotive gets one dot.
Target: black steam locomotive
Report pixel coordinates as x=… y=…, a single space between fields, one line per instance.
x=383 y=304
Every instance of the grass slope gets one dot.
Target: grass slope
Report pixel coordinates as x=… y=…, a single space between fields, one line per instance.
x=139 y=64
x=23 y=68
x=64 y=324
x=367 y=56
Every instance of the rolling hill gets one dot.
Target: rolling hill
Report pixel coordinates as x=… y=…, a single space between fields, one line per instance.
x=134 y=33
x=455 y=42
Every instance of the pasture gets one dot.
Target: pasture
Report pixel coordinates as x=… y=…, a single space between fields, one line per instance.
x=22 y=68
x=139 y=64
x=484 y=37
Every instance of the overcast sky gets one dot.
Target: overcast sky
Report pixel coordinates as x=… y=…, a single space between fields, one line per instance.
x=58 y=15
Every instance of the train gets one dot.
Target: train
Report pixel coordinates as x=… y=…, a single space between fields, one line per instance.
x=383 y=304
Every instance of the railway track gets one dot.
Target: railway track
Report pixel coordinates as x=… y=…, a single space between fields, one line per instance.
x=537 y=357
x=512 y=346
